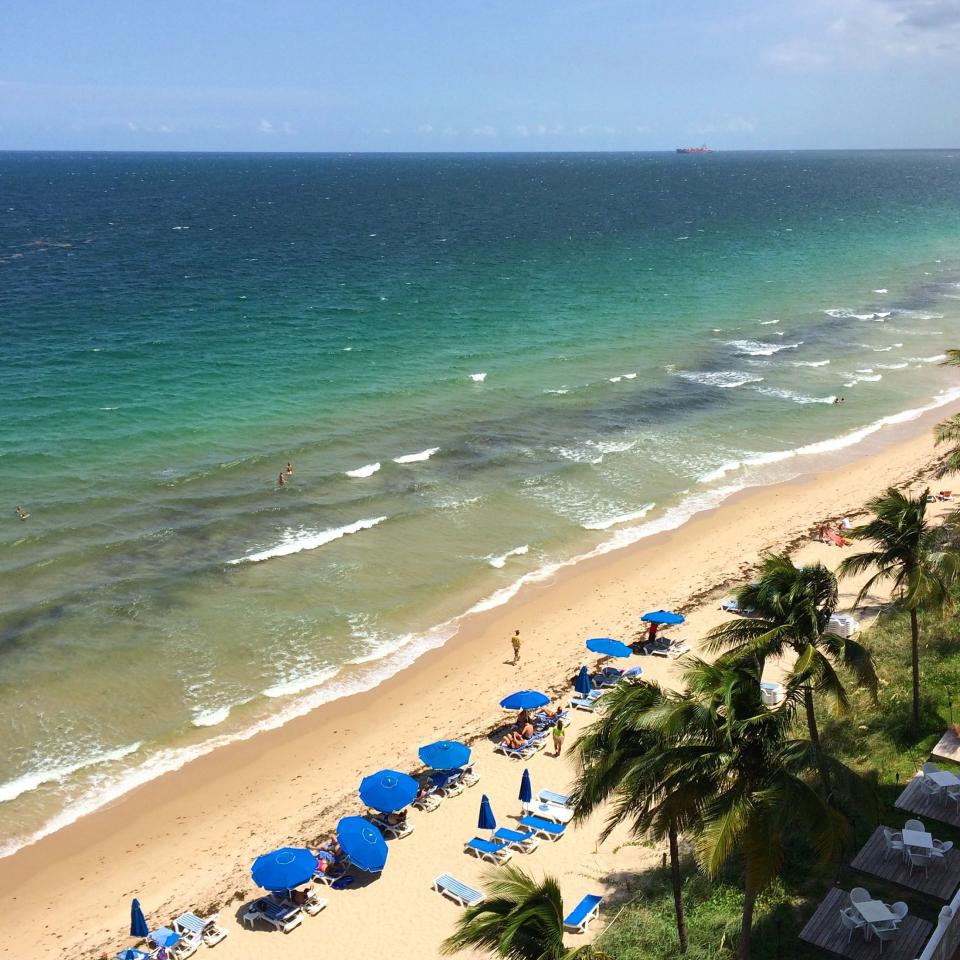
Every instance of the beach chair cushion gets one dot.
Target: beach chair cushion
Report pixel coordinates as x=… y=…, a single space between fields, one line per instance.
x=561 y=799
x=582 y=703
x=283 y=918
x=495 y=852
x=459 y=892
x=546 y=828
x=583 y=913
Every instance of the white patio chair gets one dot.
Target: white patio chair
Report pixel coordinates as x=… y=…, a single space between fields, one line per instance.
x=930 y=768
x=850 y=920
x=915 y=825
x=893 y=841
x=940 y=850
x=931 y=789
x=953 y=793
x=900 y=909
x=883 y=933
x=859 y=895
x=917 y=859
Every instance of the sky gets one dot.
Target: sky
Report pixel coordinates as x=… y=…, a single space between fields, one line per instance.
x=478 y=75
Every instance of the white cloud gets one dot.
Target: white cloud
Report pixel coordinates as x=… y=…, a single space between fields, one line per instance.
x=265 y=126
x=425 y=128
x=487 y=130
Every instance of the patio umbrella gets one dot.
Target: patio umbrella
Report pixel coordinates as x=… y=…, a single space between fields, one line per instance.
x=526 y=789
x=388 y=790
x=445 y=754
x=582 y=684
x=131 y=954
x=362 y=844
x=164 y=937
x=138 y=925
x=284 y=869
x=607 y=647
x=662 y=617
x=525 y=700
x=486 y=821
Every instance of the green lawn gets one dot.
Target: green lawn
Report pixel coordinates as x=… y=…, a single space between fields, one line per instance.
x=877 y=740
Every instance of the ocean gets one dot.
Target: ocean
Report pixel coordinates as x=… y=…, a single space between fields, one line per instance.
x=479 y=366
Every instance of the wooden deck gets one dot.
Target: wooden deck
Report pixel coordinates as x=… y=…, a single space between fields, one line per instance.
x=948 y=747
x=823 y=930
x=915 y=800
x=943 y=876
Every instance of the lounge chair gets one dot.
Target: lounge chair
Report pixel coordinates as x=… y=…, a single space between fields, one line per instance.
x=207 y=930
x=311 y=905
x=469 y=776
x=524 y=842
x=284 y=919
x=561 y=799
x=335 y=870
x=552 y=811
x=584 y=703
x=544 y=828
x=490 y=850
x=396 y=831
x=458 y=892
x=663 y=647
x=580 y=917
x=945 y=495
x=430 y=800
x=448 y=783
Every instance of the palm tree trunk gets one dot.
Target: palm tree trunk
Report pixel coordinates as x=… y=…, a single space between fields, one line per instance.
x=677 y=889
x=915 y=658
x=746 y=927
x=811 y=716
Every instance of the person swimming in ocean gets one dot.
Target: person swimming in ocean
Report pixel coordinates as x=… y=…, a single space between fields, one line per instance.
x=289 y=469
x=21 y=513
x=280 y=480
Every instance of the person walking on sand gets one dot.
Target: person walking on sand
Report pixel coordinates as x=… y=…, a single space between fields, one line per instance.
x=516 y=641
x=559 y=731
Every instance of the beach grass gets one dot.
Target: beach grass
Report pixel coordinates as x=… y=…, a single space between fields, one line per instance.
x=876 y=739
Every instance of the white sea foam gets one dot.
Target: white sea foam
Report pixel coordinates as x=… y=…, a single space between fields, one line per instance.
x=892 y=366
x=501 y=561
x=936 y=358
x=844 y=313
x=629 y=376
x=615 y=379
x=810 y=363
x=56 y=774
x=212 y=717
x=767 y=323
x=478 y=377
x=754 y=348
x=299 y=684
x=792 y=395
x=560 y=391
x=366 y=471
x=725 y=379
x=862 y=378
x=608 y=522
x=881 y=290
x=294 y=541
x=417 y=457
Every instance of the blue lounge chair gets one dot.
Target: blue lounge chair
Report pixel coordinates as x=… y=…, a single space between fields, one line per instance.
x=561 y=799
x=458 y=892
x=524 y=842
x=283 y=918
x=493 y=852
x=449 y=783
x=545 y=828
x=583 y=913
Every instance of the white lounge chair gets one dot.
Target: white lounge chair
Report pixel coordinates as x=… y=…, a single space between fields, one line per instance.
x=395 y=830
x=284 y=919
x=561 y=799
x=552 y=811
x=207 y=930
x=460 y=893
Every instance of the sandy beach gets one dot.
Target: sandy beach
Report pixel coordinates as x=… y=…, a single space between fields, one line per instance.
x=186 y=840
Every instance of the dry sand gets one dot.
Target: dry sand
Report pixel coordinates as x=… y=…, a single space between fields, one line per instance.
x=186 y=840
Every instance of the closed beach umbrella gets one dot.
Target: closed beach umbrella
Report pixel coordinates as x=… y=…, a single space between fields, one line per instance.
x=608 y=647
x=486 y=821
x=138 y=925
x=284 y=869
x=164 y=937
x=662 y=617
x=362 y=844
x=526 y=789
x=445 y=754
x=388 y=790
x=525 y=700
x=582 y=684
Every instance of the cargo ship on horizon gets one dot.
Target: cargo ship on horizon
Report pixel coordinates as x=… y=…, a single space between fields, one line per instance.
x=703 y=148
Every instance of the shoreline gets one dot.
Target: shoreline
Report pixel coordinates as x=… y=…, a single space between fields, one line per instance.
x=214 y=809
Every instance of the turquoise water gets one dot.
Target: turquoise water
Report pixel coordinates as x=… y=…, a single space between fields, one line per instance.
x=565 y=352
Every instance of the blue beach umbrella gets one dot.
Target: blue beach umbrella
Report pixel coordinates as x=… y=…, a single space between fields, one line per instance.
x=525 y=700
x=582 y=684
x=165 y=937
x=131 y=954
x=284 y=869
x=486 y=820
x=662 y=617
x=526 y=788
x=362 y=843
x=388 y=790
x=445 y=754
x=138 y=925
x=607 y=647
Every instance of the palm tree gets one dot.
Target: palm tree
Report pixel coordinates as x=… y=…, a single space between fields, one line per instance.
x=917 y=557
x=520 y=920
x=948 y=431
x=791 y=608
x=611 y=756
x=755 y=784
